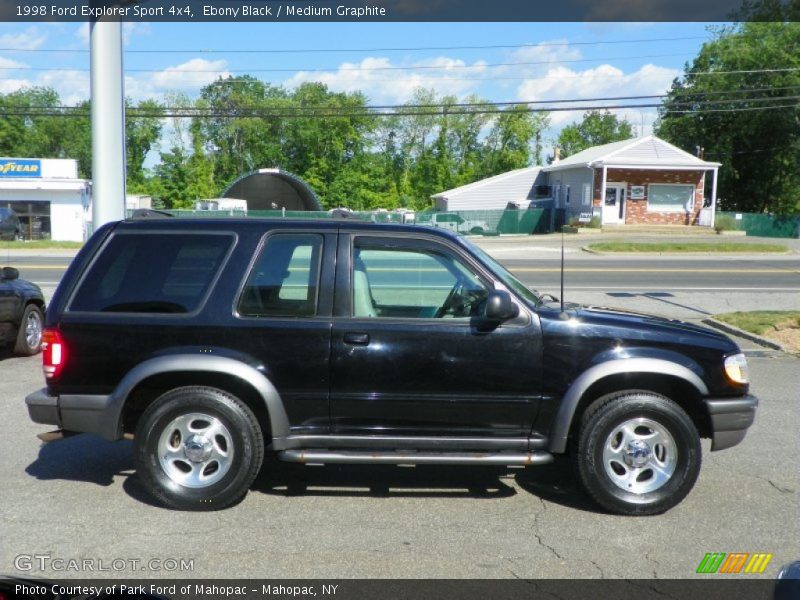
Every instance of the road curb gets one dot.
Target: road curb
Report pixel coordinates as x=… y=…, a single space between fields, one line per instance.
x=590 y=251
x=728 y=328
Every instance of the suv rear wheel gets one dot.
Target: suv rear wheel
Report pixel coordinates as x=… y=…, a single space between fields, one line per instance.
x=638 y=453
x=198 y=448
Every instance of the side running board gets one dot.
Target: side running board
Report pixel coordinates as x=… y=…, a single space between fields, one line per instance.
x=321 y=457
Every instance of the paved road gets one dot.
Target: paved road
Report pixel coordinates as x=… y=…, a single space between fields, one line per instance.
x=685 y=287
x=79 y=498
x=583 y=271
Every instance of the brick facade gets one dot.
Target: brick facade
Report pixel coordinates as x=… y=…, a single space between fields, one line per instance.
x=636 y=210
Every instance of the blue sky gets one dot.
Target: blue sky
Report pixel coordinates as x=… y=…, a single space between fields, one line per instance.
x=559 y=60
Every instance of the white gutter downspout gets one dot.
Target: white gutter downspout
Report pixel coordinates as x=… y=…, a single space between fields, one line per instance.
x=714 y=197
x=603 y=193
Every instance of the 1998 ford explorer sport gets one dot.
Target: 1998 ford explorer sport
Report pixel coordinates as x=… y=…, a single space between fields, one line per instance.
x=214 y=341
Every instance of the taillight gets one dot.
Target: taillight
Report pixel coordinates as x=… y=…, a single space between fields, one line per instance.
x=54 y=353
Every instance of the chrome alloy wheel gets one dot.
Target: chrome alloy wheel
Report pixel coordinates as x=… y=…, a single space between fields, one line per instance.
x=640 y=455
x=33 y=330
x=195 y=450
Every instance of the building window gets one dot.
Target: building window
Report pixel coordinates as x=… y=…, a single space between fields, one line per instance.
x=587 y=194
x=34 y=217
x=664 y=197
x=566 y=194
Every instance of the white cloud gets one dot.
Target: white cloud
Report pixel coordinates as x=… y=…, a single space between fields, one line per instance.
x=190 y=76
x=381 y=81
x=73 y=86
x=30 y=39
x=8 y=86
x=546 y=53
x=194 y=73
x=7 y=64
x=598 y=82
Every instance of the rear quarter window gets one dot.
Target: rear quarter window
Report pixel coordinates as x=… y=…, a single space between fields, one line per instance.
x=152 y=273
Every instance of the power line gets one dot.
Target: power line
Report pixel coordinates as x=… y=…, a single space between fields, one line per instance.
x=386 y=49
x=367 y=112
x=180 y=71
x=436 y=78
x=494 y=104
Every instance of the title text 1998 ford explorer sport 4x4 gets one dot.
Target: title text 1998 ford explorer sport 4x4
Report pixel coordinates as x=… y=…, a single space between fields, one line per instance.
x=340 y=342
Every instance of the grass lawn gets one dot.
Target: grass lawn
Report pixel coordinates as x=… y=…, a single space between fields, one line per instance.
x=782 y=326
x=38 y=244
x=698 y=247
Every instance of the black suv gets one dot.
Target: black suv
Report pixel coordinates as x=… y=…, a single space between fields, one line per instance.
x=212 y=341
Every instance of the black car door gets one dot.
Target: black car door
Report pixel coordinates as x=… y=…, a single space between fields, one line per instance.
x=409 y=356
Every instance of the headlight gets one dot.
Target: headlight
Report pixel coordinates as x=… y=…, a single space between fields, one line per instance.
x=736 y=368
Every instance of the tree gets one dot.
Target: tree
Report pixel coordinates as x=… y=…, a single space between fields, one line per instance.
x=141 y=136
x=596 y=128
x=737 y=101
x=511 y=139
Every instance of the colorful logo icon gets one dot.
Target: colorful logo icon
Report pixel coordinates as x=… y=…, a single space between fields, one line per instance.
x=734 y=562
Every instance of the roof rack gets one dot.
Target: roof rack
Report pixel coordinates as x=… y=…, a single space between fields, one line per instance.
x=149 y=213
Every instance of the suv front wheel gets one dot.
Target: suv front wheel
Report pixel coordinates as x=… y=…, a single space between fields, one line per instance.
x=638 y=453
x=198 y=448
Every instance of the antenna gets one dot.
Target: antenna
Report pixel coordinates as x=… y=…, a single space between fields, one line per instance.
x=562 y=269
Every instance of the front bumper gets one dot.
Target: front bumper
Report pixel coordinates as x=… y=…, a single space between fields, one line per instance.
x=730 y=418
x=86 y=413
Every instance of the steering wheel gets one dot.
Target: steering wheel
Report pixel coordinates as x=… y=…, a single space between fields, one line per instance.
x=459 y=301
x=452 y=302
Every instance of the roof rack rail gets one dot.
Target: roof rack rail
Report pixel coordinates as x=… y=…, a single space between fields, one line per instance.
x=149 y=213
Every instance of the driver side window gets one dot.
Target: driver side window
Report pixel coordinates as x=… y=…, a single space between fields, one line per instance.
x=413 y=283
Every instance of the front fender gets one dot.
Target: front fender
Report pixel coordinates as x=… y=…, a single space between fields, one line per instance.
x=569 y=403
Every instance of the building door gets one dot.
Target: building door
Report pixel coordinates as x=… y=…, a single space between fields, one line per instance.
x=614 y=203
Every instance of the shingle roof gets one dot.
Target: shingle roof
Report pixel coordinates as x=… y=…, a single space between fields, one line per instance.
x=525 y=178
x=645 y=151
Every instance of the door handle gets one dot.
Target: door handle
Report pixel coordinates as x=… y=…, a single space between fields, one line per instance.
x=357 y=339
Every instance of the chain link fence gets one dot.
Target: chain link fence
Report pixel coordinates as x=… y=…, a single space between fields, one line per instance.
x=762 y=225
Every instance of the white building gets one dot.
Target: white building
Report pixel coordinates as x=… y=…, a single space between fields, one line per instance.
x=47 y=195
x=493 y=193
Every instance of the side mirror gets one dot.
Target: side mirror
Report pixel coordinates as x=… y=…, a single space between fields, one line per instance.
x=499 y=306
x=10 y=273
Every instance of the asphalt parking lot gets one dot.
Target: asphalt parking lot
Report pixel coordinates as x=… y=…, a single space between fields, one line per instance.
x=79 y=498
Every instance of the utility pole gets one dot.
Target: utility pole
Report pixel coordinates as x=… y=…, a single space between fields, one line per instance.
x=108 y=123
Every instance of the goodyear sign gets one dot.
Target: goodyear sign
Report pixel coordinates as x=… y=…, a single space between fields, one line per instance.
x=20 y=167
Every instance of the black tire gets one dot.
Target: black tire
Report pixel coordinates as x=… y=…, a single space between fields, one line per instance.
x=176 y=455
x=29 y=336
x=650 y=472
x=476 y=231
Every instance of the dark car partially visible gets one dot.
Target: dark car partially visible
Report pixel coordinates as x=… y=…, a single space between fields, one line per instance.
x=10 y=227
x=21 y=313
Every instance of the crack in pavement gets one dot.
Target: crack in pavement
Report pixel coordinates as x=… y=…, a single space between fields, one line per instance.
x=782 y=490
x=599 y=568
x=652 y=560
x=538 y=535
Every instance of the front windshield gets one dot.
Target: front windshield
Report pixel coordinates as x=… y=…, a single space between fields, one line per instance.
x=505 y=276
